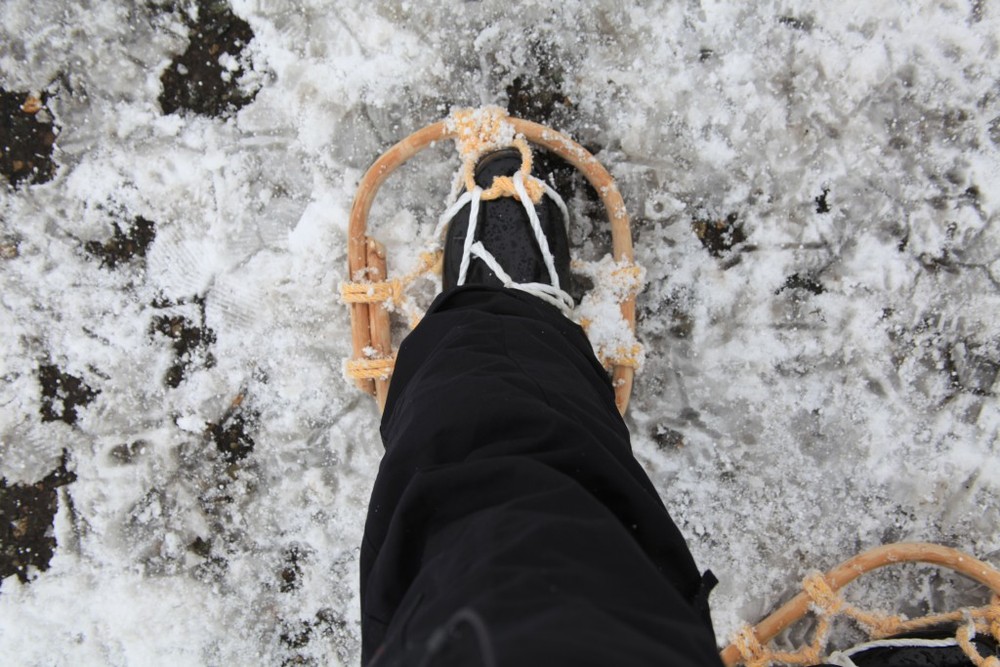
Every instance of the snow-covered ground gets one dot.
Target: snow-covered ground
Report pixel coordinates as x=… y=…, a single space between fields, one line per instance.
x=815 y=189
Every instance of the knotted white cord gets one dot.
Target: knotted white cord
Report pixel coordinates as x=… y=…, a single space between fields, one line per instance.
x=452 y=211
x=545 y=292
x=550 y=293
x=470 y=235
x=559 y=202
x=536 y=226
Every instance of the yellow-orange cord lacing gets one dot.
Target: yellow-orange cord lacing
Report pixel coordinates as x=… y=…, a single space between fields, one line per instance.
x=481 y=131
x=830 y=604
x=393 y=290
x=370 y=369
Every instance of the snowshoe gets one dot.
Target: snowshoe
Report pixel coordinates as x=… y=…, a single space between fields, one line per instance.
x=500 y=251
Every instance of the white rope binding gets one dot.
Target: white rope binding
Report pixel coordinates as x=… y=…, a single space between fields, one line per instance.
x=552 y=292
x=843 y=658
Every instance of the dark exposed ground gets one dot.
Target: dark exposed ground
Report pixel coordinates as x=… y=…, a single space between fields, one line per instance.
x=197 y=80
x=27 y=135
x=124 y=245
x=26 y=514
x=719 y=236
x=62 y=394
x=191 y=339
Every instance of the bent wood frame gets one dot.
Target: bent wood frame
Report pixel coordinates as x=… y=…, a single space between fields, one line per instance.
x=848 y=571
x=366 y=257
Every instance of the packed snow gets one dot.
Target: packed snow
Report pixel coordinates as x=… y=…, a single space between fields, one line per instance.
x=815 y=195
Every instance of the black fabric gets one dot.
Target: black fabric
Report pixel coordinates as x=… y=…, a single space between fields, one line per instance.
x=510 y=523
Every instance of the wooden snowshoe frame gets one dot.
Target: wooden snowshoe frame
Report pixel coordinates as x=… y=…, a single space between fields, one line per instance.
x=370 y=322
x=820 y=595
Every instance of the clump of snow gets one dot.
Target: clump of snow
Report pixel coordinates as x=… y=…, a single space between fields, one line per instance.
x=825 y=385
x=600 y=310
x=480 y=130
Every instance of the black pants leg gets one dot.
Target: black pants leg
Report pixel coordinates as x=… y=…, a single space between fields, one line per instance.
x=510 y=523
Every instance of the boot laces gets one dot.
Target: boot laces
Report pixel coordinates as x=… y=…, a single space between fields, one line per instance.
x=550 y=292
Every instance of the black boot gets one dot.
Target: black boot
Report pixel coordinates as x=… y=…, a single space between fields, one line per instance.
x=504 y=229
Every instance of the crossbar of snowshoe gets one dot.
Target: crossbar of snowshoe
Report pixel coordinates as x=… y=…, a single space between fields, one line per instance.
x=371 y=330
x=889 y=554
